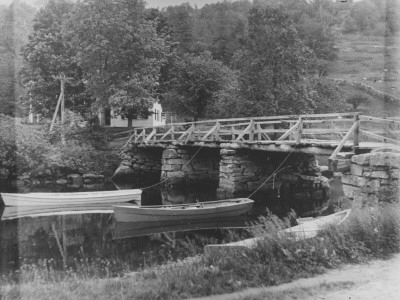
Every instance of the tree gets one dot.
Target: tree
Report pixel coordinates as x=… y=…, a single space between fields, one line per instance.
x=273 y=65
x=49 y=55
x=119 y=52
x=194 y=80
x=181 y=19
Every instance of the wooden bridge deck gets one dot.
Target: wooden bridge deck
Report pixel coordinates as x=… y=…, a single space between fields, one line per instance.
x=326 y=134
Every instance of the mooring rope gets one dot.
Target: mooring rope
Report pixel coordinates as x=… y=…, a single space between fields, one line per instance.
x=161 y=182
x=273 y=173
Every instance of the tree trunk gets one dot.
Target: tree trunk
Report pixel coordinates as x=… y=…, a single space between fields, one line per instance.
x=129 y=122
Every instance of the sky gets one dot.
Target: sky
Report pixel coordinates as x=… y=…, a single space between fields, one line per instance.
x=151 y=3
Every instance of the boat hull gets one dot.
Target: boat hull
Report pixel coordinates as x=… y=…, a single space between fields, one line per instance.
x=78 y=198
x=201 y=211
x=15 y=212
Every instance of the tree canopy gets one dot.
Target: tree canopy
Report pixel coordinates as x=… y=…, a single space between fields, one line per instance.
x=119 y=51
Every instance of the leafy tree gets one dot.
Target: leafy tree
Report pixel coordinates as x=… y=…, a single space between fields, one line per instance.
x=221 y=28
x=273 y=65
x=48 y=54
x=193 y=82
x=119 y=52
x=181 y=20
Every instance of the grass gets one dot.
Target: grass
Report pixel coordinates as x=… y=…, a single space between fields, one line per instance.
x=367 y=234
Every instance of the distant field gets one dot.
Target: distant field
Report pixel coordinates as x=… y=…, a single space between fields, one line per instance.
x=373 y=61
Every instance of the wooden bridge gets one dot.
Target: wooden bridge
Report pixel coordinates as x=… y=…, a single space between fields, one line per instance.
x=326 y=134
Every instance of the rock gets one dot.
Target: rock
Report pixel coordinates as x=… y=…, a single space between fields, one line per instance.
x=170 y=153
x=356 y=170
x=61 y=181
x=227 y=152
x=171 y=167
x=362 y=159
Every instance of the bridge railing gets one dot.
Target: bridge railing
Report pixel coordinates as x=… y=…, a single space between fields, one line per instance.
x=291 y=129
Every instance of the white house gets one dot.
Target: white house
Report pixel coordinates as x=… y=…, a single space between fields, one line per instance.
x=109 y=118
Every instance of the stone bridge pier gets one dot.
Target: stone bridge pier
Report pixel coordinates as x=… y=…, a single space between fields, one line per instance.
x=297 y=183
x=190 y=166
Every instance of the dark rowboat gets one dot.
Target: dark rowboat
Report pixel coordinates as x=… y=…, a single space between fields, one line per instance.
x=198 y=211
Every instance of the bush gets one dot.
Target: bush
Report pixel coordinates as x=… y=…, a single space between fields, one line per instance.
x=25 y=150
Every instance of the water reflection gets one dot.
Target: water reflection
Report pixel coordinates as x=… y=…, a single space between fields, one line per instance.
x=132 y=229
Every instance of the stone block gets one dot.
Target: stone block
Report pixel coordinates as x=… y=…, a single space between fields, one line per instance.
x=385 y=159
x=354 y=180
x=394 y=173
x=362 y=159
x=380 y=174
x=229 y=160
x=227 y=152
x=227 y=169
x=350 y=190
x=176 y=174
x=356 y=169
x=171 y=167
x=176 y=161
x=170 y=153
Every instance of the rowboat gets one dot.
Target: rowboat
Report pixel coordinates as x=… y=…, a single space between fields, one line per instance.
x=192 y=211
x=133 y=229
x=75 y=198
x=16 y=212
x=307 y=228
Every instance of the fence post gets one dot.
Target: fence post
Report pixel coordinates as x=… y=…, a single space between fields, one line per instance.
x=356 y=135
x=251 y=133
x=216 y=132
x=299 y=130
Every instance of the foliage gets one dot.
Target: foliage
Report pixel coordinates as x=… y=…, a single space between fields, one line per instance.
x=119 y=52
x=27 y=150
x=273 y=65
x=48 y=54
x=193 y=82
x=22 y=149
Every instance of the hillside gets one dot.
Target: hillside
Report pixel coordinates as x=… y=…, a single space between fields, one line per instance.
x=372 y=61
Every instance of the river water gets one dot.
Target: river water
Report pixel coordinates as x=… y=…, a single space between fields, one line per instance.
x=94 y=241
x=94 y=237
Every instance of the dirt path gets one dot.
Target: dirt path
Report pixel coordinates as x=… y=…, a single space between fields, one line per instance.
x=378 y=280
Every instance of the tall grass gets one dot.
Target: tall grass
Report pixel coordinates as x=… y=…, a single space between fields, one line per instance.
x=367 y=234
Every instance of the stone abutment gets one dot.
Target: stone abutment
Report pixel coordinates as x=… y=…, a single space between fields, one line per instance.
x=373 y=178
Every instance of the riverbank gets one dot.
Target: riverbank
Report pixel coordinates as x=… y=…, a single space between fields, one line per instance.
x=366 y=235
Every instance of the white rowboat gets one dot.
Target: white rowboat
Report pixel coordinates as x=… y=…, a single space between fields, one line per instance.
x=192 y=211
x=75 y=198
